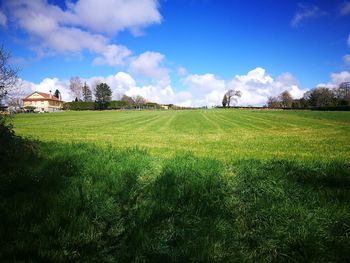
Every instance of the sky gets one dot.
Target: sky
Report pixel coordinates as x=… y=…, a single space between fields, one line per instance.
x=186 y=52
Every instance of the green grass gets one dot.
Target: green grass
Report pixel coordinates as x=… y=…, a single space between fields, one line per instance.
x=223 y=134
x=177 y=186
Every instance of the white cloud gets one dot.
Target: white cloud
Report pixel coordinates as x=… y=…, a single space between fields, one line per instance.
x=112 y=16
x=3 y=19
x=148 y=64
x=81 y=26
x=46 y=85
x=306 y=12
x=206 y=82
x=349 y=40
x=256 y=86
x=207 y=89
x=346 y=59
x=345 y=9
x=112 y=55
x=337 y=78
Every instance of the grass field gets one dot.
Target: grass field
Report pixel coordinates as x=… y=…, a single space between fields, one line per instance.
x=176 y=186
x=220 y=134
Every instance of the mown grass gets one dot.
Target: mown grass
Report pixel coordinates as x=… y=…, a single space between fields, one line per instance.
x=65 y=201
x=225 y=134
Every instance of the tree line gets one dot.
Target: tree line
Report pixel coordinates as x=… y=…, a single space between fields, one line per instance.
x=102 y=93
x=317 y=98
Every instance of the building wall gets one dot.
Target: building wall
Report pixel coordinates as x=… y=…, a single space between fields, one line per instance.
x=46 y=105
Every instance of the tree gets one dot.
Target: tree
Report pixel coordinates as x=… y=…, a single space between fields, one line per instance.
x=103 y=94
x=320 y=97
x=129 y=101
x=342 y=93
x=87 y=94
x=273 y=102
x=224 y=101
x=232 y=96
x=285 y=99
x=57 y=94
x=8 y=75
x=139 y=101
x=76 y=87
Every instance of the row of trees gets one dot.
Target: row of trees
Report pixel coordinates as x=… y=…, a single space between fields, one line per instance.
x=320 y=97
x=102 y=95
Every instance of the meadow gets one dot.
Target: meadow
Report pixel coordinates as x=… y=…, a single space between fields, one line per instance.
x=221 y=134
x=176 y=186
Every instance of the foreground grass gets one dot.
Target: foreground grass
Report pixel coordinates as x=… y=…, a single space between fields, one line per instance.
x=225 y=134
x=233 y=186
x=76 y=202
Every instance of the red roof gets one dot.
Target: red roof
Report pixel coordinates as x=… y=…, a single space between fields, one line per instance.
x=46 y=96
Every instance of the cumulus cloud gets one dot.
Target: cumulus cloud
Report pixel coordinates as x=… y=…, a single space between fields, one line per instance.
x=306 y=12
x=256 y=86
x=3 y=19
x=81 y=26
x=151 y=65
x=112 y=16
x=200 y=90
x=148 y=64
x=207 y=89
x=46 y=85
x=345 y=9
x=336 y=79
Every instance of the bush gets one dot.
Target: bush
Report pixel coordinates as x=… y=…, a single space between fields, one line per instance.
x=117 y=104
x=12 y=148
x=79 y=105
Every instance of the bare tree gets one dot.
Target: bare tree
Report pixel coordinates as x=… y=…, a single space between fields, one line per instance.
x=285 y=99
x=232 y=96
x=87 y=94
x=76 y=87
x=342 y=93
x=139 y=101
x=8 y=74
x=130 y=101
x=273 y=102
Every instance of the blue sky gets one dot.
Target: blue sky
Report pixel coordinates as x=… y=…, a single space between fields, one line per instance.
x=186 y=52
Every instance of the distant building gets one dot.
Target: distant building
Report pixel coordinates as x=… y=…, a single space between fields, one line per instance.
x=166 y=106
x=43 y=102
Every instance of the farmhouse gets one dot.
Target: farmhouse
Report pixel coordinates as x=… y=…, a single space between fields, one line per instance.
x=43 y=102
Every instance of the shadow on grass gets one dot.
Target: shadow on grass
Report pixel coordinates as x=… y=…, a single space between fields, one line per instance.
x=76 y=202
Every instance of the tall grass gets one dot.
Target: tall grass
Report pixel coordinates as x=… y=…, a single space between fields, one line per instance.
x=184 y=186
x=85 y=203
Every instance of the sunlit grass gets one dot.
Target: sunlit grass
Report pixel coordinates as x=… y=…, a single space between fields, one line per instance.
x=224 y=134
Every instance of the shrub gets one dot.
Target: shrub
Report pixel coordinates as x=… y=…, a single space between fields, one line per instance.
x=79 y=105
x=117 y=104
